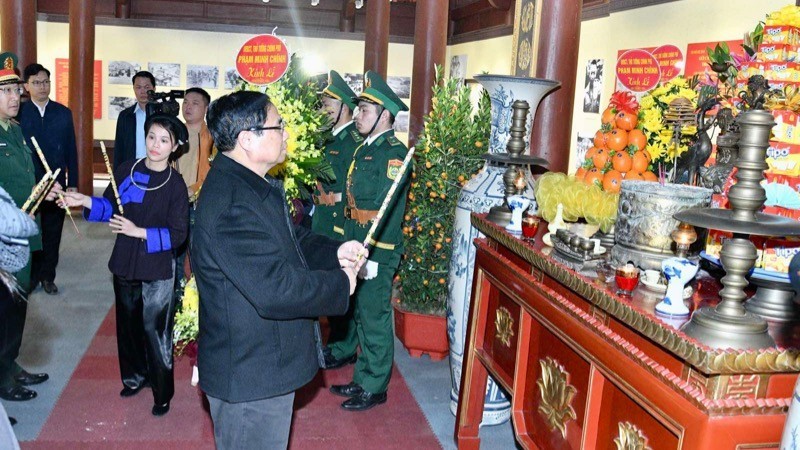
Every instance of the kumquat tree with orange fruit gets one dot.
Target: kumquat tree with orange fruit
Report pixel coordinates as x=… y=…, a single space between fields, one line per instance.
x=448 y=154
x=620 y=147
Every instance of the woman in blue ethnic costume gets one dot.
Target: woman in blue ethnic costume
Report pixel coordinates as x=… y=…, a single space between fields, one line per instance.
x=155 y=221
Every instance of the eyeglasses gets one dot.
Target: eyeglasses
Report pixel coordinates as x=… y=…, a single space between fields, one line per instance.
x=41 y=83
x=9 y=90
x=280 y=127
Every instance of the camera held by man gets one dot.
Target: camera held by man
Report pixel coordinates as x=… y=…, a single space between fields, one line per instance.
x=163 y=102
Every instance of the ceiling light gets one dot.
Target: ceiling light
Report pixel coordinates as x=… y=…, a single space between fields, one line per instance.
x=359 y=4
x=314 y=2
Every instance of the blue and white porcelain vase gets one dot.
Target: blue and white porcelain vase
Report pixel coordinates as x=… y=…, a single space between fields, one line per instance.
x=479 y=195
x=678 y=271
x=791 y=429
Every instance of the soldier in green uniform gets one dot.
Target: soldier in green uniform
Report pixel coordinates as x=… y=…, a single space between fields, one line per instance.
x=17 y=178
x=369 y=177
x=338 y=102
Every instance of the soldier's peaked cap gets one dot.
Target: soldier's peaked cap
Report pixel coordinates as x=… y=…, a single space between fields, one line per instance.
x=8 y=65
x=377 y=91
x=337 y=88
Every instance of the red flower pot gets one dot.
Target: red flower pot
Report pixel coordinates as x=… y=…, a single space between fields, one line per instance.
x=421 y=333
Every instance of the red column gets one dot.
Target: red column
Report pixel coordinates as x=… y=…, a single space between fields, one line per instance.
x=557 y=59
x=376 y=39
x=18 y=30
x=430 y=42
x=81 y=74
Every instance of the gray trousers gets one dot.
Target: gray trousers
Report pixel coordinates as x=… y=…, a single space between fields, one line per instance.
x=261 y=424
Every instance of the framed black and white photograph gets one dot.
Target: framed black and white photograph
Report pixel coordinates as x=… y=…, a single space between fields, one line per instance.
x=401 y=122
x=232 y=78
x=458 y=67
x=167 y=74
x=355 y=81
x=400 y=85
x=320 y=80
x=122 y=72
x=593 y=86
x=117 y=104
x=202 y=76
x=584 y=143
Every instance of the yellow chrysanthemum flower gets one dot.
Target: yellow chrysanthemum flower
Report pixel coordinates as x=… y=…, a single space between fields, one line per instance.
x=647 y=102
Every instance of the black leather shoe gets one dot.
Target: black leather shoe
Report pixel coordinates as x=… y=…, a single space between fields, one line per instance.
x=364 y=401
x=26 y=378
x=50 y=287
x=17 y=393
x=332 y=363
x=346 y=390
x=130 y=392
x=160 y=410
x=13 y=421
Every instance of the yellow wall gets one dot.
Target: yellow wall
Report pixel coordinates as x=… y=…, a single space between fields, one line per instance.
x=679 y=23
x=115 y=43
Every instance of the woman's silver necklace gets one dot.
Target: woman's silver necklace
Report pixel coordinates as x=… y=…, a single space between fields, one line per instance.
x=147 y=189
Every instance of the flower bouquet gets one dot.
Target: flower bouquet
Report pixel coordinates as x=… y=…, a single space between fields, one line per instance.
x=186 y=328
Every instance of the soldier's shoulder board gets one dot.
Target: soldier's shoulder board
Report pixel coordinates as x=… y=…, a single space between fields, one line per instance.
x=393 y=168
x=393 y=141
x=356 y=136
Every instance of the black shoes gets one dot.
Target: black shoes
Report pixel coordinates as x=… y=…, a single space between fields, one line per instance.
x=332 y=363
x=346 y=390
x=50 y=287
x=26 y=378
x=17 y=393
x=364 y=401
x=12 y=420
x=130 y=392
x=160 y=410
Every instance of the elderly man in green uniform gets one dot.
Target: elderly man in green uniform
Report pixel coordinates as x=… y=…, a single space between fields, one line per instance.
x=17 y=178
x=369 y=177
x=338 y=103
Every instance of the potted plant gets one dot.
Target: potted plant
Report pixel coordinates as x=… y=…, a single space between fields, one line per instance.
x=449 y=153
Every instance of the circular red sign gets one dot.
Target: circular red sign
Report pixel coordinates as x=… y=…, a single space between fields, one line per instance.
x=263 y=59
x=670 y=60
x=638 y=70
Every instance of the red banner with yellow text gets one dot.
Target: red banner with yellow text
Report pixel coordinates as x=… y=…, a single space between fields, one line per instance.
x=62 y=86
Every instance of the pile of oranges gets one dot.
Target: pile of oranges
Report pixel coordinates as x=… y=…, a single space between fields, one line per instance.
x=619 y=151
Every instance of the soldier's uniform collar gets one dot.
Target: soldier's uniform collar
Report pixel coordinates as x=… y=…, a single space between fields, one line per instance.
x=375 y=137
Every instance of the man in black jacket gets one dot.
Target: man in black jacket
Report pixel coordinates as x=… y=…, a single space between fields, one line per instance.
x=129 y=138
x=261 y=280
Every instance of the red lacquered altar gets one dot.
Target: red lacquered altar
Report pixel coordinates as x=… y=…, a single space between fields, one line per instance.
x=589 y=369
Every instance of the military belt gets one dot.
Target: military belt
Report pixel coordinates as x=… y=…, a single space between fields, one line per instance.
x=362 y=216
x=328 y=198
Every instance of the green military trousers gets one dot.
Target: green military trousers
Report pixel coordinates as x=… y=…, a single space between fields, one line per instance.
x=373 y=319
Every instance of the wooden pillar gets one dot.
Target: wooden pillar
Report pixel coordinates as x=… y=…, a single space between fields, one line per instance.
x=557 y=59
x=18 y=30
x=430 y=42
x=376 y=39
x=81 y=75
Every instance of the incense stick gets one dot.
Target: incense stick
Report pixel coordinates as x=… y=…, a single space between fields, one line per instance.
x=111 y=174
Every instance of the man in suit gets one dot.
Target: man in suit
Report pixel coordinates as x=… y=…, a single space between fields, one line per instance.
x=129 y=140
x=261 y=279
x=51 y=124
x=18 y=179
x=338 y=104
x=369 y=178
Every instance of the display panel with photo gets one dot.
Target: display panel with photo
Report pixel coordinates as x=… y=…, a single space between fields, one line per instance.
x=232 y=78
x=202 y=76
x=401 y=122
x=167 y=74
x=117 y=104
x=355 y=81
x=320 y=81
x=584 y=143
x=400 y=85
x=593 y=86
x=458 y=67
x=122 y=72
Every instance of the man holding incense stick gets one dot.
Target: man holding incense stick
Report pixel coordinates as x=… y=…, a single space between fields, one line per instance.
x=370 y=176
x=18 y=179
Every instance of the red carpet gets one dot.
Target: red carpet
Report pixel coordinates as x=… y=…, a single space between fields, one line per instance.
x=90 y=414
